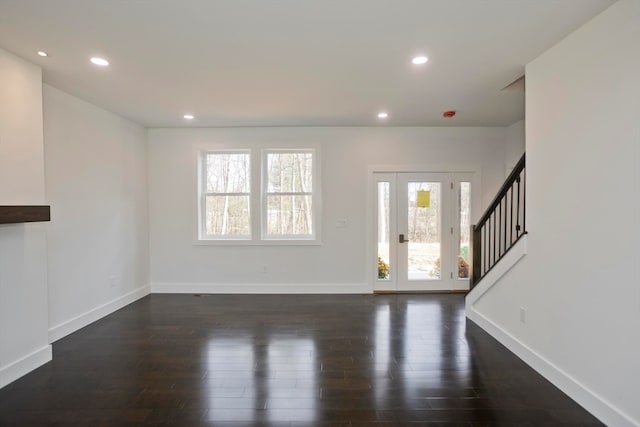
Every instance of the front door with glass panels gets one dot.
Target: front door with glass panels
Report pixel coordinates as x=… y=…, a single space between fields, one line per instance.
x=422 y=231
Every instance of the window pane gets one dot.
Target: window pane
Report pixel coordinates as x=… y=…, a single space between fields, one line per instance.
x=228 y=172
x=227 y=216
x=290 y=172
x=289 y=215
x=464 y=216
x=424 y=230
x=383 y=230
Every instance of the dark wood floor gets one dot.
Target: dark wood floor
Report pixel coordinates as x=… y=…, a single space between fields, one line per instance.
x=290 y=360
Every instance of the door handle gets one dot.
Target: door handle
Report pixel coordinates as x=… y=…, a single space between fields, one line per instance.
x=401 y=239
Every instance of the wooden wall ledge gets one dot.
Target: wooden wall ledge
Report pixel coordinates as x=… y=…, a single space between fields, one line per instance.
x=18 y=214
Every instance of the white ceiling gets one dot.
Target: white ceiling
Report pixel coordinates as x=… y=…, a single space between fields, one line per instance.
x=292 y=62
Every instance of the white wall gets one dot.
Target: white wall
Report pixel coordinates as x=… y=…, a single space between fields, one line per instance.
x=579 y=280
x=23 y=263
x=346 y=153
x=514 y=145
x=96 y=174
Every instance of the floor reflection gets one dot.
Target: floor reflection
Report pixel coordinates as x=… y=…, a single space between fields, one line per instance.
x=421 y=356
x=230 y=381
x=292 y=359
x=245 y=377
x=382 y=361
x=407 y=354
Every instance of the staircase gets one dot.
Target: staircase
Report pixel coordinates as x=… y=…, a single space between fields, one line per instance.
x=501 y=227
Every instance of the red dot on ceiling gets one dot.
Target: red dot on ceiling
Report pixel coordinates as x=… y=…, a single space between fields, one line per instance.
x=449 y=114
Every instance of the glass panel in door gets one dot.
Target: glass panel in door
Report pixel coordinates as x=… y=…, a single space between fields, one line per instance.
x=424 y=231
x=422 y=247
x=464 y=219
x=383 y=232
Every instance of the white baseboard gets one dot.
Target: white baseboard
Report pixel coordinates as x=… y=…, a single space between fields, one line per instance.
x=65 y=328
x=592 y=402
x=588 y=399
x=261 y=288
x=24 y=365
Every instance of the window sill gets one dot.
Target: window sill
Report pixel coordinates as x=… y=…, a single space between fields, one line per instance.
x=214 y=242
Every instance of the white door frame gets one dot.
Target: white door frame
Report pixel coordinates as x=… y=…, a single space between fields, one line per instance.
x=371 y=245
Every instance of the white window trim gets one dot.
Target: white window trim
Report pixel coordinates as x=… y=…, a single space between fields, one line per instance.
x=257 y=205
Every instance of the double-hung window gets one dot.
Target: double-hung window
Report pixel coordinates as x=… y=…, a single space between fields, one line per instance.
x=225 y=206
x=288 y=194
x=259 y=196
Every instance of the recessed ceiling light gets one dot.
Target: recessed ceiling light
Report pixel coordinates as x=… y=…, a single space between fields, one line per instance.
x=383 y=115
x=99 y=61
x=189 y=116
x=419 y=60
x=42 y=53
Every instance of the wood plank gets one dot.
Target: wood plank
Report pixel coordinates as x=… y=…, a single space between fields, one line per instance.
x=20 y=214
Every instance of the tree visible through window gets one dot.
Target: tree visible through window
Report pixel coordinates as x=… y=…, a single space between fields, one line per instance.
x=228 y=194
x=289 y=195
x=229 y=190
